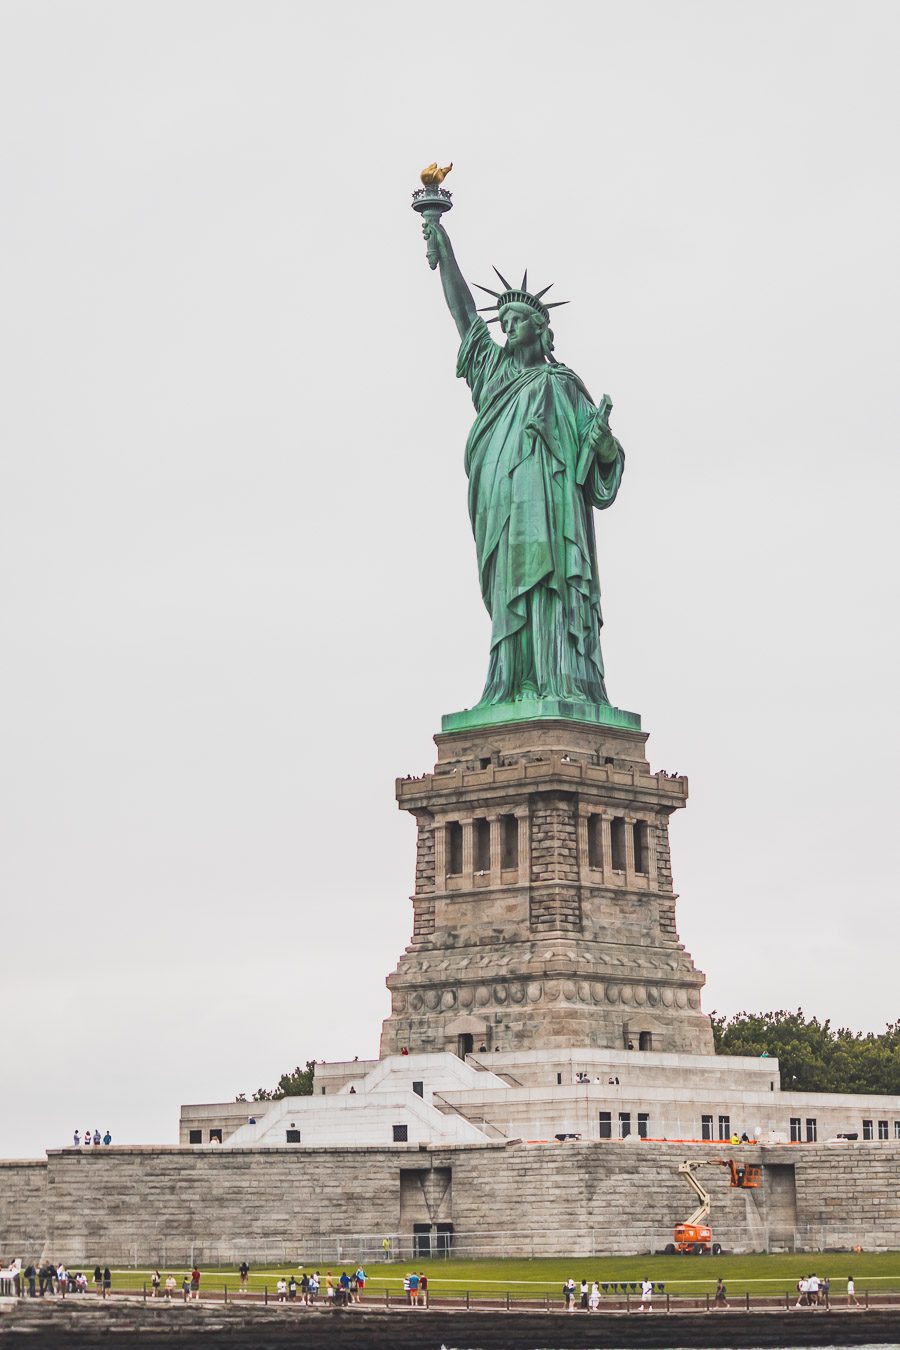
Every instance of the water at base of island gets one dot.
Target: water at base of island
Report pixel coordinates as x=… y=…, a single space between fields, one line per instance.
x=128 y=1323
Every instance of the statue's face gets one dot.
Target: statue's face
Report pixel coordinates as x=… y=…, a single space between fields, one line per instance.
x=517 y=322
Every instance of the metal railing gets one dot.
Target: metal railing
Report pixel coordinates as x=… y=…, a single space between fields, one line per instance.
x=627 y=1300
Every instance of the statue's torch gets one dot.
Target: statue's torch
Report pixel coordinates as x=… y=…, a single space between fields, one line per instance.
x=431 y=201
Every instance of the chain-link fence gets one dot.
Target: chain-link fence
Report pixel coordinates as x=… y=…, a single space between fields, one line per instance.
x=434 y=1242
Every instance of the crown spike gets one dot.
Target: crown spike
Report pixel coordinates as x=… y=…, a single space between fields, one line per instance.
x=494 y=320
x=555 y=304
x=485 y=309
x=538 y=294
x=503 y=279
x=487 y=290
x=524 y=286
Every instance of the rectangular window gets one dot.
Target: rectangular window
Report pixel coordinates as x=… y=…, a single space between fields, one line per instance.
x=215 y=1134
x=419 y=1087
x=706 y=1127
x=292 y=1136
x=868 y=1130
x=624 y=1123
x=595 y=841
x=454 y=848
x=643 y=1124
x=617 y=837
x=639 y=831
x=897 y=1129
x=195 y=1137
x=882 y=1129
x=796 y=1129
x=810 y=1130
x=724 y=1127
x=481 y=830
x=605 y=1125
x=509 y=841
x=401 y=1133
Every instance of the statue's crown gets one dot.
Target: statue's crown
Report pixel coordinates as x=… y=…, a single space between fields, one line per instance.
x=518 y=296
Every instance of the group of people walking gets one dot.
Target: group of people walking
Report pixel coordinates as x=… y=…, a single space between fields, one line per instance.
x=190 y=1286
x=815 y=1293
x=586 y=1295
x=58 y=1280
x=415 y=1287
x=346 y=1289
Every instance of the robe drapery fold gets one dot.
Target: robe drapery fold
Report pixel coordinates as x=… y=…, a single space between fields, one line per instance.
x=534 y=475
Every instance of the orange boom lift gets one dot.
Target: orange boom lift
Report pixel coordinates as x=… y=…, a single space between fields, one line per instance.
x=694 y=1237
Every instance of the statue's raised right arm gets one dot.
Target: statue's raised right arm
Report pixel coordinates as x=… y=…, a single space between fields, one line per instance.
x=460 y=300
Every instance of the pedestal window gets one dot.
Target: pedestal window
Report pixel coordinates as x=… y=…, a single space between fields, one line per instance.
x=641 y=847
x=509 y=842
x=595 y=841
x=481 y=845
x=617 y=842
x=454 y=849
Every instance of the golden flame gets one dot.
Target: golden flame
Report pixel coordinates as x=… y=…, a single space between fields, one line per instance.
x=433 y=176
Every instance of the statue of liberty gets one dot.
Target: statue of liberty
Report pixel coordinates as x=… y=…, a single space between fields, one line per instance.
x=539 y=456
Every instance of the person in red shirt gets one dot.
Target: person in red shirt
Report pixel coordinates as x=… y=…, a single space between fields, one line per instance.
x=195 y=1283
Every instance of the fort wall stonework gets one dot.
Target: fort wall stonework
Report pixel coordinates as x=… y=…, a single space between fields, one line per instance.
x=23 y=1205
x=167 y=1205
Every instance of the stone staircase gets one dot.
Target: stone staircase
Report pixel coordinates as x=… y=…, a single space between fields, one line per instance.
x=480 y=1122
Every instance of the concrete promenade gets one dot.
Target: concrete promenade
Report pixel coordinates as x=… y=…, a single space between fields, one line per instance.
x=82 y=1324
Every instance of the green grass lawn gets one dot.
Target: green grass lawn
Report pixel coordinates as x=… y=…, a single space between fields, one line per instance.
x=535 y=1278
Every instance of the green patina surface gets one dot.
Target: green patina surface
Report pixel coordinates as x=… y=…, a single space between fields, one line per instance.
x=529 y=710
x=540 y=459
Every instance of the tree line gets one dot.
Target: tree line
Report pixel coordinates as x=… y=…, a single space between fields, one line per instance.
x=813 y=1056
x=297 y=1083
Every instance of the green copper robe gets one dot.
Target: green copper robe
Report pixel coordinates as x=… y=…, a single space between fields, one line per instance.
x=534 y=476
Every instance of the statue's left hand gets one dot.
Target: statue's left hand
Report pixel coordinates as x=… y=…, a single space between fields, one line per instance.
x=605 y=443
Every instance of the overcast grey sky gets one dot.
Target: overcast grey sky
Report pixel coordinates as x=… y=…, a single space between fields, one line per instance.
x=239 y=585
